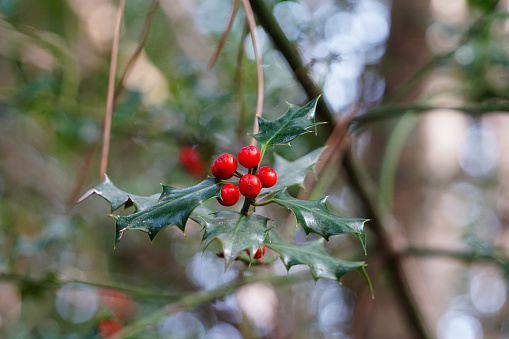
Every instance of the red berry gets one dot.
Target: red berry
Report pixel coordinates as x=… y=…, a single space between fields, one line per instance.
x=190 y=158
x=119 y=303
x=229 y=195
x=259 y=253
x=249 y=156
x=213 y=169
x=250 y=185
x=267 y=176
x=188 y=155
x=226 y=165
x=109 y=328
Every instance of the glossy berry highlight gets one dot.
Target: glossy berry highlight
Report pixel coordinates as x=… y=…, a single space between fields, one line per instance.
x=259 y=253
x=225 y=166
x=250 y=186
x=229 y=195
x=267 y=176
x=249 y=156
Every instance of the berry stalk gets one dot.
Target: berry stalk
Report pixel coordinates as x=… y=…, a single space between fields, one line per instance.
x=266 y=202
x=245 y=207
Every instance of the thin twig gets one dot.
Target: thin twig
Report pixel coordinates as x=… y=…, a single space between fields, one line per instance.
x=467 y=256
x=396 y=111
x=142 y=40
x=290 y=53
x=239 y=91
x=259 y=69
x=87 y=162
x=111 y=91
x=202 y=297
x=416 y=78
x=51 y=281
x=335 y=145
x=222 y=40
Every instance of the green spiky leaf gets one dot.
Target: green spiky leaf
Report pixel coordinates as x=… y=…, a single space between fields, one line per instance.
x=291 y=173
x=118 y=198
x=199 y=213
x=172 y=207
x=314 y=217
x=313 y=255
x=296 y=121
x=236 y=232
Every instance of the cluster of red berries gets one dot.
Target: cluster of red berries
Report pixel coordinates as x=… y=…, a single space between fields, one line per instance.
x=250 y=185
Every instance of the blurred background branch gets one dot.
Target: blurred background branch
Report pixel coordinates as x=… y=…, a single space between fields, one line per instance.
x=415 y=93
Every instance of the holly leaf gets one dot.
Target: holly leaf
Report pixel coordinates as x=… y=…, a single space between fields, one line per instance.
x=314 y=217
x=199 y=213
x=172 y=207
x=313 y=255
x=118 y=198
x=236 y=232
x=296 y=121
x=291 y=173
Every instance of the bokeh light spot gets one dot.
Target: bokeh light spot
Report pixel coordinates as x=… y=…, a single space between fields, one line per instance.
x=77 y=303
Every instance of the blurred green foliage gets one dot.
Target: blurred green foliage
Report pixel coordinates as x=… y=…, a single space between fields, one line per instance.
x=54 y=63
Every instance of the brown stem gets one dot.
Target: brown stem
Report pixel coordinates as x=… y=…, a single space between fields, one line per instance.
x=335 y=145
x=271 y=26
x=87 y=162
x=398 y=110
x=111 y=91
x=245 y=207
x=239 y=93
x=222 y=40
x=142 y=40
x=259 y=69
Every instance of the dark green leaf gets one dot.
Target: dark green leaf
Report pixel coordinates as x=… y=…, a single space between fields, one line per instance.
x=296 y=121
x=116 y=197
x=313 y=254
x=291 y=173
x=173 y=207
x=236 y=232
x=314 y=217
x=199 y=213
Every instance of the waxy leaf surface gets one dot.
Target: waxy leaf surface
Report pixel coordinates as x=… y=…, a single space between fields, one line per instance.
x=118 y=198
x=296 y=121
x=313 y=255
x=314 y=217
x=236 y=232
x=172 y=207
